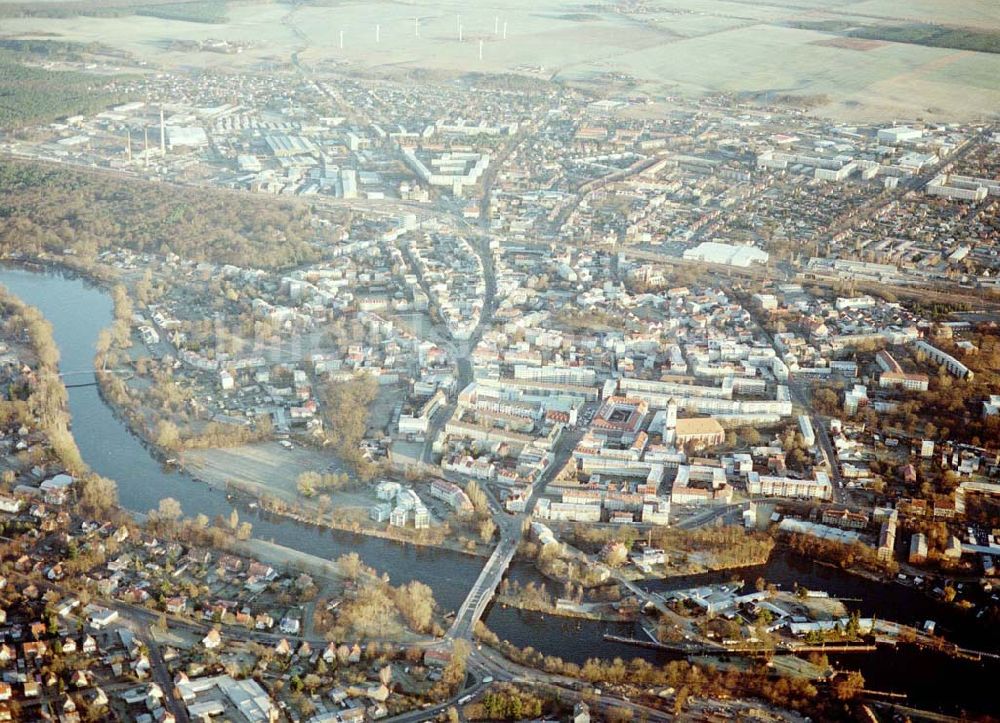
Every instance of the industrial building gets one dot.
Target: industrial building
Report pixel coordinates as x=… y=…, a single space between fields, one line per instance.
x=221 y=695
x=719 y=253
x=899 y=134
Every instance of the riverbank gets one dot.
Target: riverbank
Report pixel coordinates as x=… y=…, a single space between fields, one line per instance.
x=98 y=276
x=46 y=396
x=331 y=522
x=885 y=578
x=574 y=611
x=686 y=570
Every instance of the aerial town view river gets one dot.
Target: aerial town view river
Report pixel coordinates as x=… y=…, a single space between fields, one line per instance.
x=78 y=311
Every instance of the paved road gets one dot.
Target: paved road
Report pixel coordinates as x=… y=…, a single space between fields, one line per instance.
x=801 y=392
x=161 y=676
x=510 y=527
x=700 y=519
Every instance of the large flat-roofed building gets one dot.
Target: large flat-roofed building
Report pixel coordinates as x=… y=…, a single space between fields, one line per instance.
x=806 y=427
x=186 y=136
x=455 y=169
x=555 y=374
x=966 y=189
x=700 y=484
x=918 y=549
x=718 y=253
x=238 y=700
x=992 y=185
x=283 y=146
x=899 y=134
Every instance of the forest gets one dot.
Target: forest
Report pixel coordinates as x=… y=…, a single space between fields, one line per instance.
x=195 y=11
x=30 y=95
x=934 y=36
x=347 y=407
x=53 y=209
x=200 y=11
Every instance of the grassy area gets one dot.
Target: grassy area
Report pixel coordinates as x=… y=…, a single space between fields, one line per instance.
x=33 y=95
x=591 y=320
x=934 y=36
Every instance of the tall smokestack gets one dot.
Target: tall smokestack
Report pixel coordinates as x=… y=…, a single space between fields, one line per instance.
x=128 y=145
x=145 y=135
x=163 y=133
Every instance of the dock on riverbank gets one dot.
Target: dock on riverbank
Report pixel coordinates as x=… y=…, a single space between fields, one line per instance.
x=705 y=649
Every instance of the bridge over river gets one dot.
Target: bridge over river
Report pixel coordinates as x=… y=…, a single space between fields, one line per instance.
x=511 y=529
x=125 y=374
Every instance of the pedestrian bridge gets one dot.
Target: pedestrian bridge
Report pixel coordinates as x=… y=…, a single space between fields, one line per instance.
x=126 y=374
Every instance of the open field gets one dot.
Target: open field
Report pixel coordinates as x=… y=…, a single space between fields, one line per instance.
x=691 y=46
x=268 y=468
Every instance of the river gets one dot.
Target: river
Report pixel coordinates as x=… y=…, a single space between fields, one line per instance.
x=79 y=310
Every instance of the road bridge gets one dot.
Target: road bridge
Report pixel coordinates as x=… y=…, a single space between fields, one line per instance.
x=510 y=527
x=486 y=584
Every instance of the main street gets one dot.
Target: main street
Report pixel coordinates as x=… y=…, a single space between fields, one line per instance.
x=801 y=392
